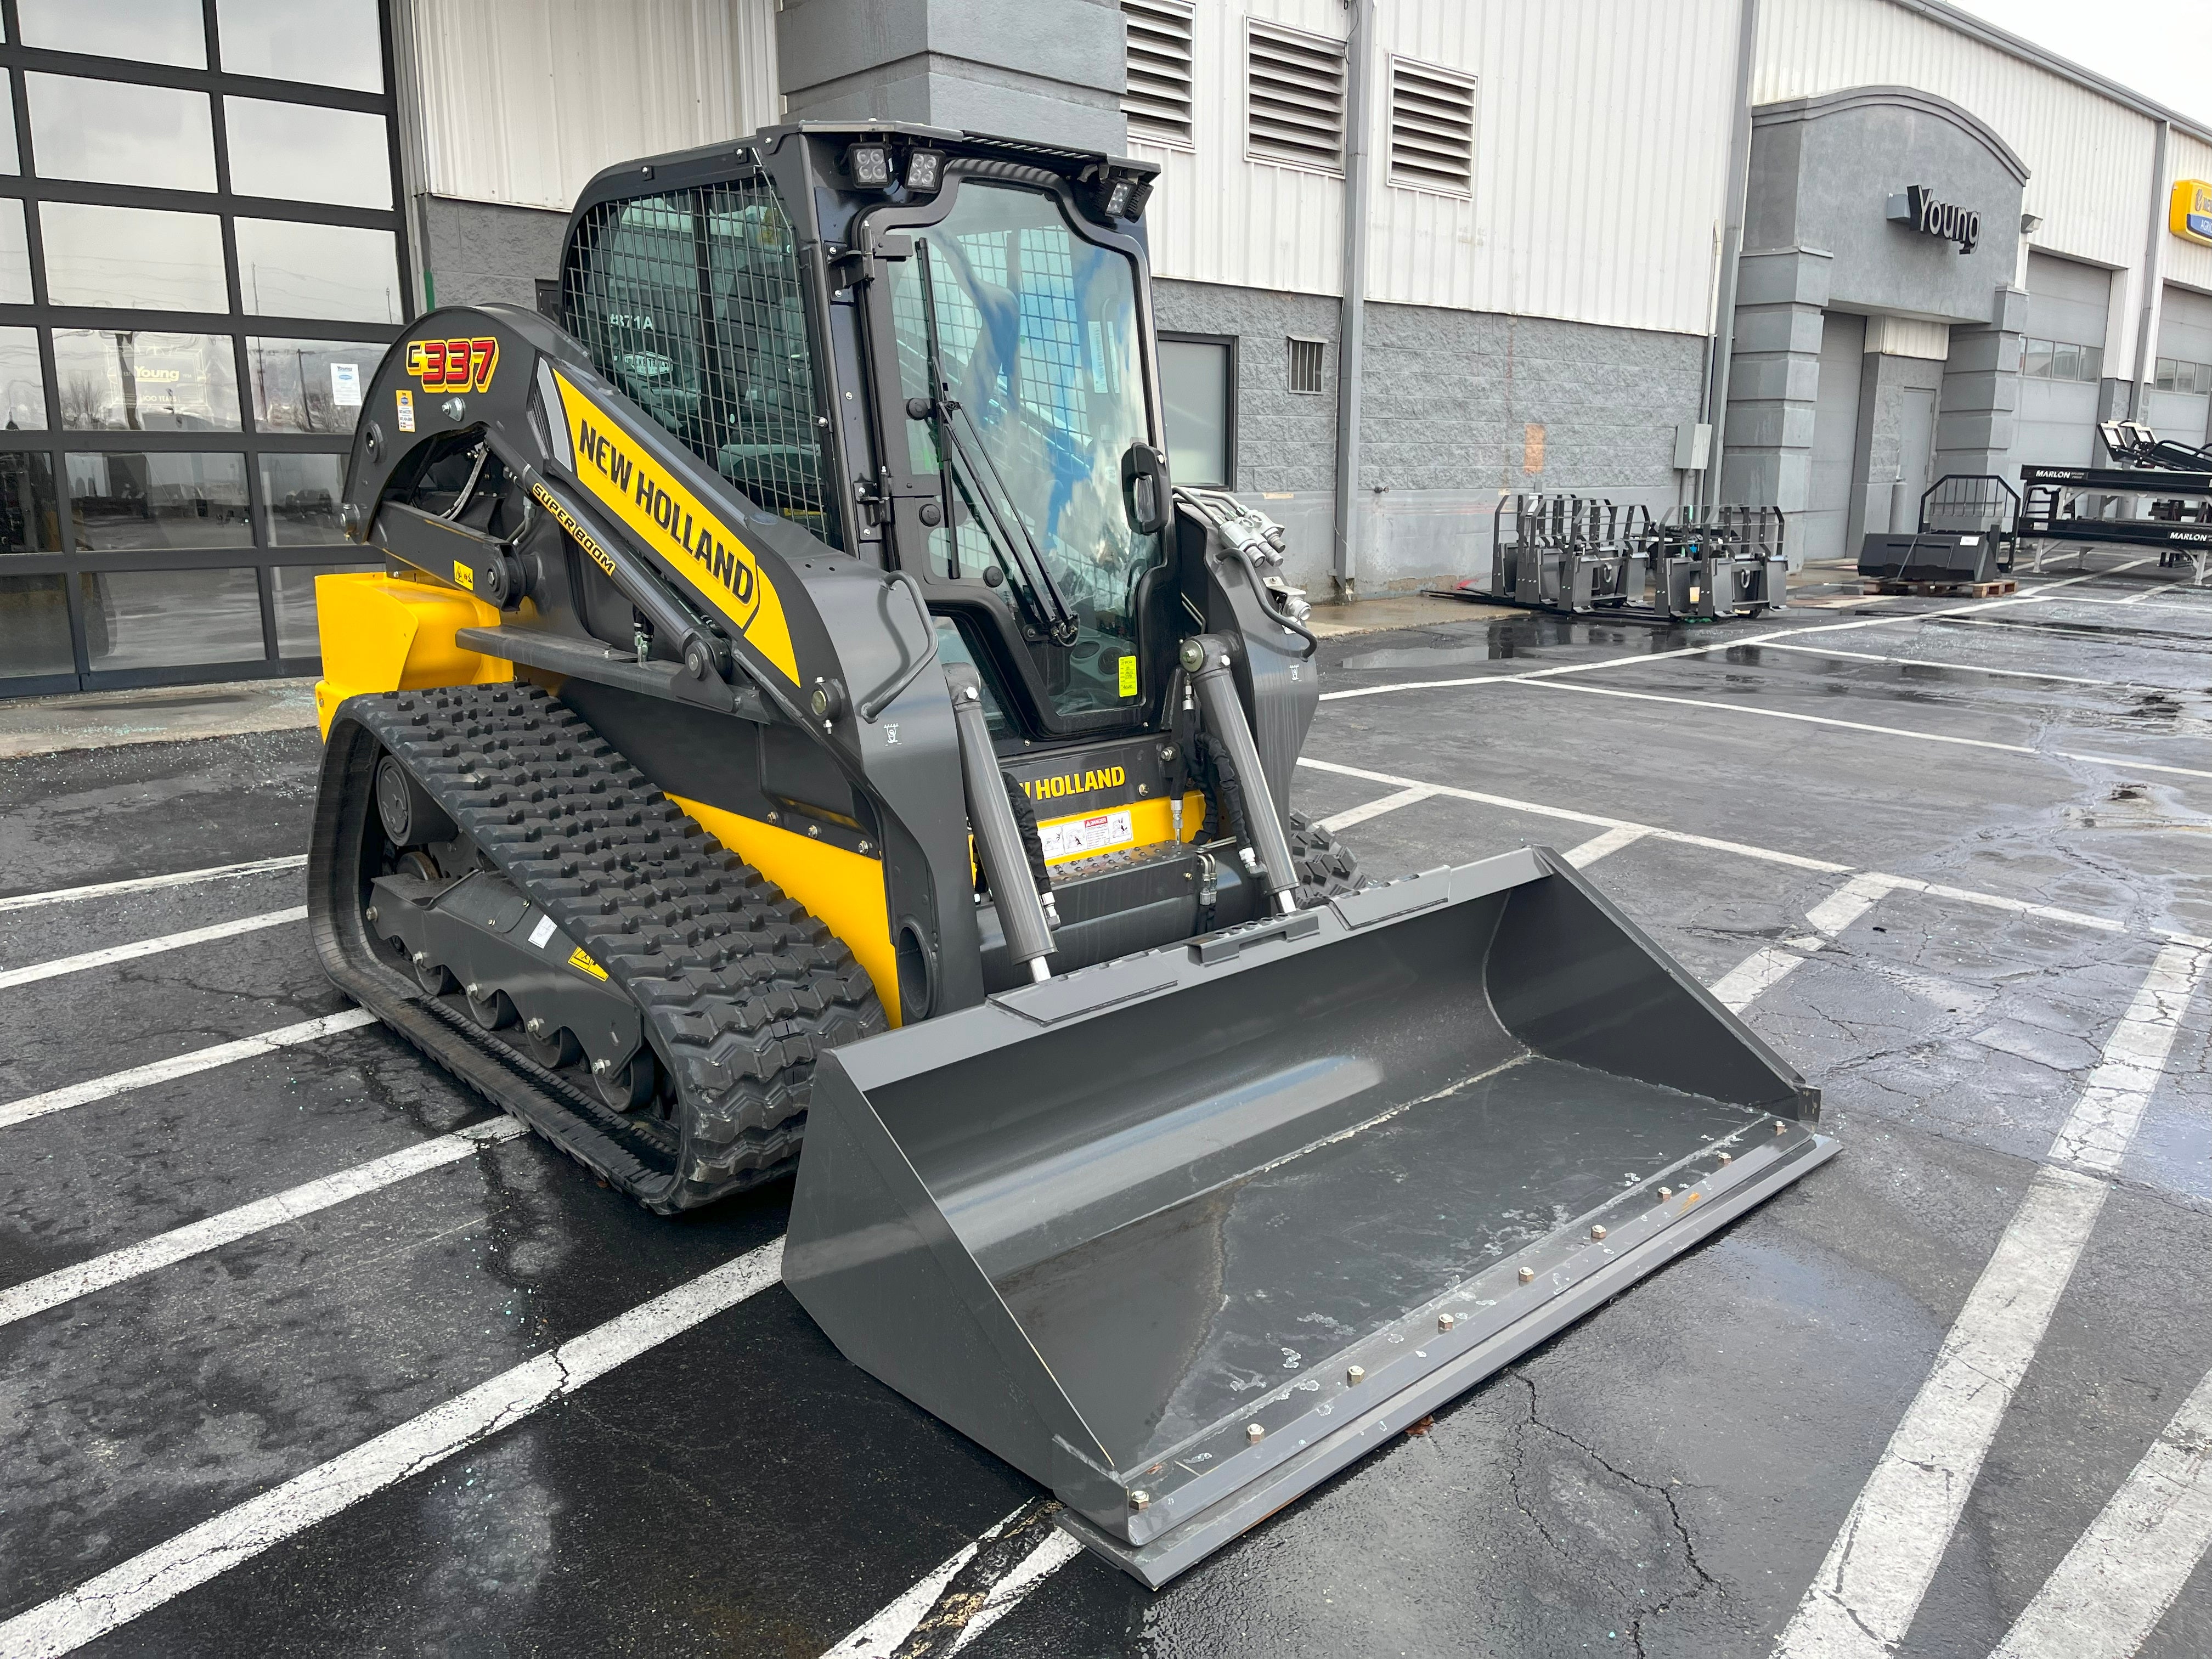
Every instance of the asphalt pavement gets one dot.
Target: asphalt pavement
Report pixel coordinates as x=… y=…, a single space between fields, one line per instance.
x=302 y=1352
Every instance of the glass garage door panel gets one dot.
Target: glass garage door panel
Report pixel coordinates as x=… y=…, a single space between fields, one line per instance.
x=35 y=631
x=141 y=619
x=137 y=503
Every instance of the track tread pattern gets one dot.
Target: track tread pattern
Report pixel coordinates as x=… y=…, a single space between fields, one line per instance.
x=740 y=986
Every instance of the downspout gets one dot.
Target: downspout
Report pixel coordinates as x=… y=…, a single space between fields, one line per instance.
x=1739 y=187
x=1351 y=327
x=2154 y=266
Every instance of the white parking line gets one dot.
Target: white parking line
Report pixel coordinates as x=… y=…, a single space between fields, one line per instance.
x=146 y=884
x=1953 y=667
x=159 y=1575
x=148 y=947
x=1760 y=972
x=1887 y=619
x=163 y=1071
x=1862 y=1600
x=181 y=1243
x=1604 y=846
x=1374 y=809
x=1937 y=889
x=2121 y=1576
x=1568 y=816
x=1763 y=713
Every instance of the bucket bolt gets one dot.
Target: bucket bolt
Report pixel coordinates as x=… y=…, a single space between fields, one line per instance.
x=1140 y=1501
x=601 y=1067
x=1527 y=1275
x=1728 y=1158
x=1597 y=1232
x=1780 y=1128
x=1356 y=1374
x=1666 y=1192
x=534 y=1025
x=1253 y=1432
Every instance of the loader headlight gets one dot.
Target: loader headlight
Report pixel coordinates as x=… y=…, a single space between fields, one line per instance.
x=870 y=166
x=925 y=170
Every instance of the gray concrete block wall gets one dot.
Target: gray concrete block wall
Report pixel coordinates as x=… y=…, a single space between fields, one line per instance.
x=478 y=252
x=1448 y=402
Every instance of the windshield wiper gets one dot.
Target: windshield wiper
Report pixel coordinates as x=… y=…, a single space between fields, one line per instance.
x=1047 y=604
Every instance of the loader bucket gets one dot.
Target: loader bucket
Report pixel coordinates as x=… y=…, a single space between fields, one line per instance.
x=1180 y=1235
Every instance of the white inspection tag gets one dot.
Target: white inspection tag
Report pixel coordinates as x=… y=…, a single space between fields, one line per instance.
x=542 y=931
x=1100 y=832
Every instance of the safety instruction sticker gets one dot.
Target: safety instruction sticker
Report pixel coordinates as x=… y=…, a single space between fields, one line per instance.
x=583 y=963
x=1101 y=832
x=541 y=933
x=403 y=400
x=1128 y=673
x=464 y=577
x=677 y=525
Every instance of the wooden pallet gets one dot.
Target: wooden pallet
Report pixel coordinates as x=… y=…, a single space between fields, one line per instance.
x=1945 y=590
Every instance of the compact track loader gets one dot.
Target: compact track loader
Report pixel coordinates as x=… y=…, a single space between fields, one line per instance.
x=795 y=701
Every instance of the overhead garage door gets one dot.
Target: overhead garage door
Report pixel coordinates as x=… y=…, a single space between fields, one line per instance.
x=2061 y=362
x=2181 y=379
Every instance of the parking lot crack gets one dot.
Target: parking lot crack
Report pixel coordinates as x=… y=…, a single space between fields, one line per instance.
x=1702 y=1579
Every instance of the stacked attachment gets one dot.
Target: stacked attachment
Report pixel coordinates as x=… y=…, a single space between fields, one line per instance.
x=1582 y=557
x=2156 y=495
x=1964 y=541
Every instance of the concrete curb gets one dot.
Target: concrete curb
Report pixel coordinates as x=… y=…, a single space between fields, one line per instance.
x=177 y=713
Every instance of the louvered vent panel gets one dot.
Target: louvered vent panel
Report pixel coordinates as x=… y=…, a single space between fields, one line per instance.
x=1432 y=128
x=1158 y=102
x=1294 y=97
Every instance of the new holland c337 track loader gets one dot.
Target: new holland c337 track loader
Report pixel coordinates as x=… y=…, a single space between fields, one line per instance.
x=796 y=702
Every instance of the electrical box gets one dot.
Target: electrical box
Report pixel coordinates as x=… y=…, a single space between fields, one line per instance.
x=1694 y=447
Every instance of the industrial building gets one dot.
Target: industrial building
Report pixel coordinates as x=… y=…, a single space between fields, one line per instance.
x=1805 y=253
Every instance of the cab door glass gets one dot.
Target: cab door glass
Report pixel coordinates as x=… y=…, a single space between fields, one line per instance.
x=1034 y=331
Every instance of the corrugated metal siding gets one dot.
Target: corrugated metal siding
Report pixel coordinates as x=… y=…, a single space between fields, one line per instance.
x=2090 y=159
x=1218 y=217
x=523 y=100
x=2187 y=262
x=1601 y=160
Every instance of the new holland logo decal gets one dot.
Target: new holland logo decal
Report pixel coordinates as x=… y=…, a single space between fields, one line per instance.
x=679 y=528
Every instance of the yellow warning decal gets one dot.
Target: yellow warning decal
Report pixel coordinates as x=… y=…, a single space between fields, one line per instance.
x=567 y=520
x=578 y=960
x=1128 y=673
x=465 y=576
x=677 y=525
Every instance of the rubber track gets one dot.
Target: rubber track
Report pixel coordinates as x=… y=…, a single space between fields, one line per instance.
x=737 y=985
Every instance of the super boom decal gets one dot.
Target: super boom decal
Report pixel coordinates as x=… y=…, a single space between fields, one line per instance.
x=682 y=530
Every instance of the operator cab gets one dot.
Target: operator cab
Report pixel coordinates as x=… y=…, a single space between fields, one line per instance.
x=932 y=352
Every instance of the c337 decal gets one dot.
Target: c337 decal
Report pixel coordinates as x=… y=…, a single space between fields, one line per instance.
x=679 y=528
x=453 y=365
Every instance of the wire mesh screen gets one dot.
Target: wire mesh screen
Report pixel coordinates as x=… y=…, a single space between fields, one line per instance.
x=690 y=302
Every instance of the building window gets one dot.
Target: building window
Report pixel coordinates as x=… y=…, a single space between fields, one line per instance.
x=1158 y=101
x=1293 y=97
x=1198 y=389
x=1305 y=363
x=1432 y=128
x=218 y=270
x=2179 y=375
x=2060 y=359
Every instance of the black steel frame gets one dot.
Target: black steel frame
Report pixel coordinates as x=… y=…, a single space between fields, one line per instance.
x=237 y=325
